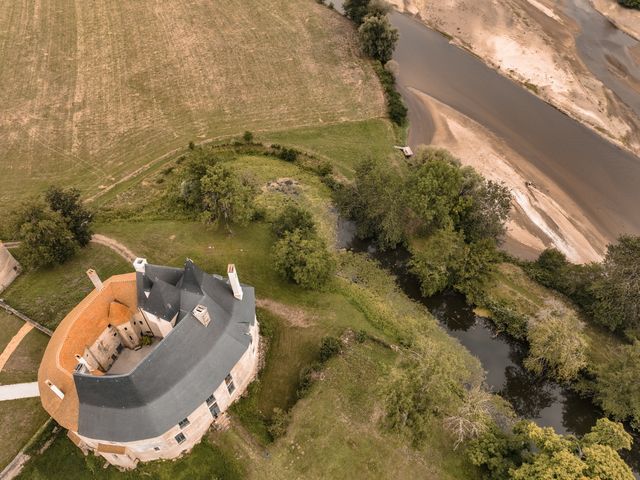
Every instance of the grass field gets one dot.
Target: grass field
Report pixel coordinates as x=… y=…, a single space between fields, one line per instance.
x=9 y=326
x=91 y=91
x=335 y=431
x=21 y=419
x=23 y=364
x=48 y=295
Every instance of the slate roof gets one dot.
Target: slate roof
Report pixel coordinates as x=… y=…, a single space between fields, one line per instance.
x=183 y=370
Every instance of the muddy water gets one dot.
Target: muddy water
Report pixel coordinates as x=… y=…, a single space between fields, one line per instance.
x=599 y=177
x=607 y=51
x=534 y=397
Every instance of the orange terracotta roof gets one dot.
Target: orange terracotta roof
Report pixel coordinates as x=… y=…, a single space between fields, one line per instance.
x=114 y=304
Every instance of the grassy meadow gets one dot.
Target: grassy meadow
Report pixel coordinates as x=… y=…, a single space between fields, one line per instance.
x=93 y=91
x=336 y=429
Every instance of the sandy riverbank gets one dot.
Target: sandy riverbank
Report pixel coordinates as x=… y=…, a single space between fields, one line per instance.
x=534 y=43
x=625 y=19
x=543 y=215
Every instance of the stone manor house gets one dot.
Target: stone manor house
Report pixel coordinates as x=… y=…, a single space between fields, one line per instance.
x=142 y=367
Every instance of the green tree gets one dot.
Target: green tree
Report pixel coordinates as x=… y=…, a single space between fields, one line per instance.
x=356 y=10
x=67 y=202
x=608 y=433
x=44 y=233
x=226 y=197
x=556 y=342
x=617 y=291
x=434 y=259
x=303 y=259
x=376 y=202
x=443 y=260
x=531 y=452
x=487 y=214
x=378 y=38
x=617 y=386
x=292 y=217
x=435 y=193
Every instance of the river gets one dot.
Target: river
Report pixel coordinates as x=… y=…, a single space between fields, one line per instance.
x=533 y=397
x=600 y=177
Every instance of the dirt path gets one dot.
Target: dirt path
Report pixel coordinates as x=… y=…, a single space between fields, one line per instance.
x=114 y=245
x=13 y=344
x=296 y=317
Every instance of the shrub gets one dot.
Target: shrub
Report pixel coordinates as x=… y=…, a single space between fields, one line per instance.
x=279 y=423
x=247 y=137
x=330 y=347
x=396 y=109
x=44 y=233
x=291 y=218
x=308 y=377
x=303 y=259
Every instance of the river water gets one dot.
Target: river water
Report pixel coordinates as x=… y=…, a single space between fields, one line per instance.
x=606 y=51
x=533 y=397
x=600 y=177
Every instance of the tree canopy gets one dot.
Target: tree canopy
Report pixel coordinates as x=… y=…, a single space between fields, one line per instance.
x=67 y=202
x=44 y=233
x=303 y=259
x=531 y=452
x=225 y=196
x=378 y=38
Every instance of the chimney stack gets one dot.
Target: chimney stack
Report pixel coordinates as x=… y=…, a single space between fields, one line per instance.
x=233 y=280
x=95 y=279
x=202 y=314
x=140 y=264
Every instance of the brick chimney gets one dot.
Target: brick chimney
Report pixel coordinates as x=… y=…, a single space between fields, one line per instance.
x=234 y=282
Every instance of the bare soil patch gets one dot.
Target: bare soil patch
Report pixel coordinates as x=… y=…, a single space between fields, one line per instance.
x=294 y=316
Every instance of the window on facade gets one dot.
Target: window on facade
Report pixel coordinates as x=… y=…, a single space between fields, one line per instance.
x=156 y=449
x=180 y=438
x=230 y=386
x=211 y=400
x=214 y=409
x=184 y=423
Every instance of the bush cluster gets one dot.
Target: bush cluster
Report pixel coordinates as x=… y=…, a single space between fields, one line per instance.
x=396 y=109
x=299 y=254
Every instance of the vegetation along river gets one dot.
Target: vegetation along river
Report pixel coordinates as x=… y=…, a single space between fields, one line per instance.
x=599 y=176
x=533 y=397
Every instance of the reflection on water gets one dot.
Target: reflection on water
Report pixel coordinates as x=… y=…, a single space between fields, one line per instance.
x=534 y=397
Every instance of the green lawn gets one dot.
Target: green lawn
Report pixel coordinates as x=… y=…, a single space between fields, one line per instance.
x=25 y=360
x=345 y=144
x=336 y=430
x=21 y=419
x=9 y=326
x=47 y=295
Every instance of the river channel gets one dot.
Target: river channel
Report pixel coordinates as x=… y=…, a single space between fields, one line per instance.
x=533 y=397
x=600 y=177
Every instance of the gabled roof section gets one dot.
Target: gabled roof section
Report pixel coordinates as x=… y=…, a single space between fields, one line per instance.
x=164 y=300
x=185 y=367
